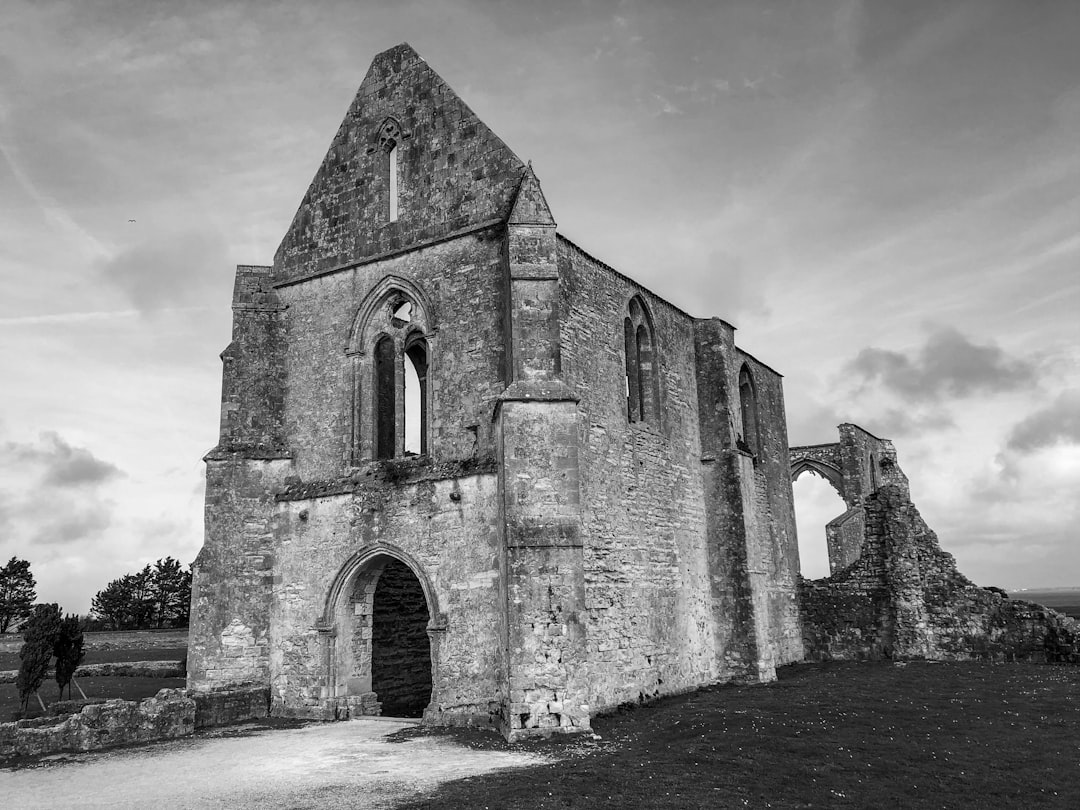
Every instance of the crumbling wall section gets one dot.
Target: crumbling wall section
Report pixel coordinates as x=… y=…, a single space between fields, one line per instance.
x=905 y=598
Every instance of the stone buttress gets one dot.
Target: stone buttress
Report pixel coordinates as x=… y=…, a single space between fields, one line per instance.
x=536 y=438
x=738 y=579
x=233 y=574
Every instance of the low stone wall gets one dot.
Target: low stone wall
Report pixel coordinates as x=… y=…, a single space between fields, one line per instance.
x=904 y=598
x=223 y=707
x=169 y=714
x=116 y=669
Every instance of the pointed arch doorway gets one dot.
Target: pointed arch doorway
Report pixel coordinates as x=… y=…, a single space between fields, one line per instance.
x=382 y=657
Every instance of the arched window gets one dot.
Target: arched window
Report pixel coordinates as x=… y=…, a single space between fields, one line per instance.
x=750 y=439
x=642 y=378
x=391 y=351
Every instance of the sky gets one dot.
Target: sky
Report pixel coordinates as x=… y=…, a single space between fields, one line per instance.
x=883 y=197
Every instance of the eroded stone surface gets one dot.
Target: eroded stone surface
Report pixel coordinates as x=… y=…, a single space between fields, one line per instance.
x=602 y=511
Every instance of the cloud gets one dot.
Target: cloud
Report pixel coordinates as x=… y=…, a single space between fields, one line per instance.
x=70 y=523
x=63 y=465
x=50 y=493
x=897 y=423
x=167 y=270
x=1057 y=423
x=948 y=363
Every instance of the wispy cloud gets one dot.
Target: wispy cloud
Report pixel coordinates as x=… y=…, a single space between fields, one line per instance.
x=55 y=213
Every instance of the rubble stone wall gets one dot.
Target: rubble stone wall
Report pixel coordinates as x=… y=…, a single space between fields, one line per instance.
x=169 y=714
x=905 y=598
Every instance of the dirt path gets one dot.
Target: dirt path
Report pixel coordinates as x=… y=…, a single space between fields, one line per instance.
x=346 y=765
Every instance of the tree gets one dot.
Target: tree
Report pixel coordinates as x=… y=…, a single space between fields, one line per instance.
x=172 y=593
x=17 y=592
x=156 y=596
x=113 y=604
x=69 y=652
x=39 y=640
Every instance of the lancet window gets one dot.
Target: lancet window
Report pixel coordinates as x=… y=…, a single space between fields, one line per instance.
x=642 y=383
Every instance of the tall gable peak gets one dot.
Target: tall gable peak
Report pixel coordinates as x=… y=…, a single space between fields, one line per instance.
x=410 y=163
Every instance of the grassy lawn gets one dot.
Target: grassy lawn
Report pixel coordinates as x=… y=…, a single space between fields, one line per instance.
x=126 y=688
x=825 y=735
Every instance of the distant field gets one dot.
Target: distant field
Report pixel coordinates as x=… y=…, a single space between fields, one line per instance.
x=1066 y=600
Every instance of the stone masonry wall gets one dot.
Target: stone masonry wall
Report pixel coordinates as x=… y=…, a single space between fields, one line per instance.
x=447 y=525
x=647 y=593
x=651 y=580
x=463 y=284
x=233 y=574
x=904 y=598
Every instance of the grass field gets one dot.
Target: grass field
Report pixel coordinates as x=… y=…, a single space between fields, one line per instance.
x=103 y=647
x=876 y=735
x=126 y=688
x=10 y=660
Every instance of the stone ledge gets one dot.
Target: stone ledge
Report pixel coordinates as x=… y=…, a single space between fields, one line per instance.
x=380 y=475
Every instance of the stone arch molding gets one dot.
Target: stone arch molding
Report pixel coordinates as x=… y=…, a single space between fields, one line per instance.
x=361 y=560
x=826 y=471
x=373 y=302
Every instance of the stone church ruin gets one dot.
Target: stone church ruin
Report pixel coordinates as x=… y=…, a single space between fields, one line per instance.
x=470 y=473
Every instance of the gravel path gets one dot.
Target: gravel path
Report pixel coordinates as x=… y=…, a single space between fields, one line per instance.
x=326 y=765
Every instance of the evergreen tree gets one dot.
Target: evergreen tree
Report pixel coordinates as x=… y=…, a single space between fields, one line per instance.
x=157 y=596
x=172 y=593
x=17 y=592
x=69 y=652
x=39 y=640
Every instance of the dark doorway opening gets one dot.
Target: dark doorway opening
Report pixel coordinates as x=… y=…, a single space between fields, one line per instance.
x=400 y=648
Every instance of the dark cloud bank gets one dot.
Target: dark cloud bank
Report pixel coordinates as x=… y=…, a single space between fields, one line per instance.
x=1057 y=423
x=64 y=465
x=948 y=364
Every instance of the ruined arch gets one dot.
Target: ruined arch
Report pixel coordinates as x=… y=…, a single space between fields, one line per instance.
x=382 y=650
x=827 y=471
